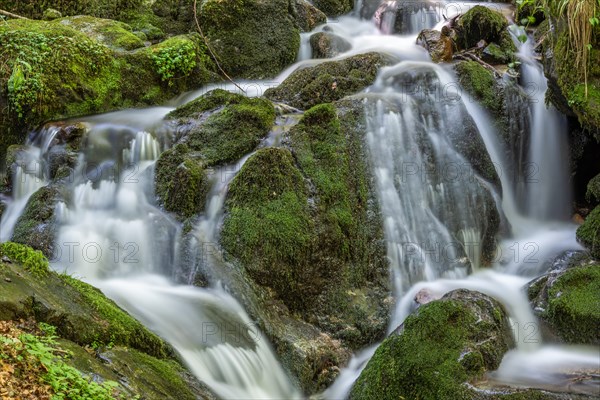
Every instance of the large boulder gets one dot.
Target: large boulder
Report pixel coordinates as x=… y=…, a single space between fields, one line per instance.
x=588 y=233
x=302 y=223
x=328 y=81
x=253 y=38
x=566 y=300
x=438 y=350
x=67 y=316
x=308 y=16
x=215 y=129
x=480 y=23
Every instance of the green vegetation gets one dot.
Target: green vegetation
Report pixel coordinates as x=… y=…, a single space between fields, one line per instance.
x=329 y=81
x=32 y=260
x=480 y=83
x=443 y=345
x=574 y=305
x=112 y=9
x=592 y=194
x=588 y=233
x=41 y=361
x=333 y=8
x=480 y=23
x=253 y=39
x=113 y=34
x=175 y=57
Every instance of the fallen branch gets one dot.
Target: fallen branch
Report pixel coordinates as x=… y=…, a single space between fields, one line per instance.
x=466 y=56
x=11 y=15
x=210 y=50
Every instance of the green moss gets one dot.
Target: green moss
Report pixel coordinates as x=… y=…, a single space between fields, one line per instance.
x=97 y=8
x=254 y=39
x=175 y=58
x=334 y=8
x=111 y=33
x=574 y=305
x=480 y=83
x=32 y=260
x=181 y=181
x=268 y=226
x=209 y=101
x=440 y=348
x=329 y=81
x=592 y=194
x=120 y=328
x=480 y=23
x=588 y=233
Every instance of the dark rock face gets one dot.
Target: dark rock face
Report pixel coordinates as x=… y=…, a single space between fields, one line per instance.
x=445 y=343
x=308 y=16
x=334 y=8
x=439 y=44
x=588 y=234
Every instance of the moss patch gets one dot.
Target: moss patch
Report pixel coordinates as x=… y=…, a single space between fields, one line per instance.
x=111 y=33
x=592 y=194
x=254 y=38
x=588 y=233
x=480 y=23
x=334 y=8
x=574 y=305
x=329 y=81
x=445 y=344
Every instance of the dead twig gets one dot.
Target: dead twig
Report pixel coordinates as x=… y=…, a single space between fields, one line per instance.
x=210 y=50
x=466 y=56
x=11 y=15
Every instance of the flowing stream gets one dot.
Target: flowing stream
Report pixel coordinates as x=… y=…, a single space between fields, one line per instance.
x=434 y=203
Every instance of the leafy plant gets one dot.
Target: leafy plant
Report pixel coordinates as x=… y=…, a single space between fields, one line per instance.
x=174 y=58
x=33 y=260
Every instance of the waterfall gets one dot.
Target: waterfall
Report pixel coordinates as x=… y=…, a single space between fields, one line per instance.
x=30 y=174
x=117 y=240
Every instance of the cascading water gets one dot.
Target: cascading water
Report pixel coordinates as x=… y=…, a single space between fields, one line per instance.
x=30 y=174
x=207 y=327
x=434 y=215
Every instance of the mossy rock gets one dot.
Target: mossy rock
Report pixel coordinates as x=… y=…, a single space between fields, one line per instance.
x=307 y=16
x=253 y=38
x=328 y=45
x=80 y=312
x=113 y=34
x=37 y=227
x=98 y=8
x=574 y=305
x=592 y=194
x=182 y=182
x=481 y=84
x=588 y=233
x=50 y=14
x=334 y=8
x=444 y=345
x=480 y=23
x=268 y=226
x=328 y=81
x=53 y=71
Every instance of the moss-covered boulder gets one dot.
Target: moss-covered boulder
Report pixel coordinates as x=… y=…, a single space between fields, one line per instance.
x=253 y=38
x=592 y=194
x=304 y=226
x=481 y=84
x=37 y=226
x=308 y=16
x=328 y=45
x=438 y=44
x=566 y=300
x=334 y=8
x=114 y=34
x=80 y=312
x=86 y=334
x=53 y=71
x=217 y=128
x=35 y=9
x=480 y=23
x=588 y=233
x=329 y=81
x=440 y=349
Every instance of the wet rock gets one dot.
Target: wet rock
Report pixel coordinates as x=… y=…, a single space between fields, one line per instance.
x=329 y=81
x=588 y=233
x=592 y=194
x=114 y=34
x=480 y=23
x=493 y=54
x=438 y=44
x=446 y=343
x=37 y=226
x=328 y=45
x=566 y=301
x=255 y=40
x=403 y=17
x=308 y=16
x=368 y=8
x=334 y=8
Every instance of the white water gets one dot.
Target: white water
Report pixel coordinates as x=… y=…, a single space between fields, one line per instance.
x=211 y=331
x=29 y=175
